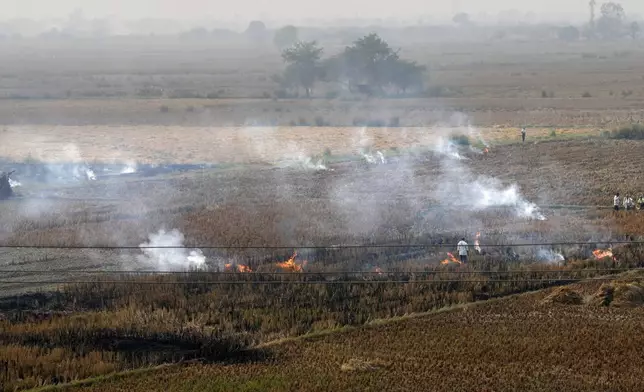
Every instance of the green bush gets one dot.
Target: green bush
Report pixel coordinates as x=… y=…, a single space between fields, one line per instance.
x=461 y=140
x=633 y=132
x=332 y=94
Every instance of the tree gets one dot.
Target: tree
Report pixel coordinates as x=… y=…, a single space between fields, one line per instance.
x=368 y=60
x=461 y=19
x=634 y=30
x=285 y=37
x=303 y=67
x=569 y=33
x=370 y=66
x=256 y=31
x=610 y=24
x=406 y=74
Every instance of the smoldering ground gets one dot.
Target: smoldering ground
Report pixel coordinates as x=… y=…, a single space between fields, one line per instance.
x=424 y=195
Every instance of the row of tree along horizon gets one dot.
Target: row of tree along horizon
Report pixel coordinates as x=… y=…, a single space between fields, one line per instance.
x=367 y=66
x=612 y=22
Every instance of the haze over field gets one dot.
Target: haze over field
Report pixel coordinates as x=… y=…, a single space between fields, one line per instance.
x=280 y=9
x=192 y=183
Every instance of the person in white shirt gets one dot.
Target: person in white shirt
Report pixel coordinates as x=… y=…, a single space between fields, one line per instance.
x=462 y=250
x=616 y=202
x=628 y=203
x=523 y=134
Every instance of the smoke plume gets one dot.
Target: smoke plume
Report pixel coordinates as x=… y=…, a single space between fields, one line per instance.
x=176 y=258
x=459 y=187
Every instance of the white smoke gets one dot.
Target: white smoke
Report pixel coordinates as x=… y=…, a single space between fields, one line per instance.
x=174 y=258
x=91 y=176
x=550 y=256
x=447 y=147
x=459 y=187
x=129 y=168
x=14 y=184
x=302 y=161
x=476 y=133
x=378 y=158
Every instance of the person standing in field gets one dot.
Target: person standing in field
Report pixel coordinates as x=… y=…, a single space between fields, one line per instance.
x=462 y=250
x=616 y=202
x=628 y=203
x=523 y=134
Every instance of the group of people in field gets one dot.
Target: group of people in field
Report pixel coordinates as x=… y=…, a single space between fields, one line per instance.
x=628 y=203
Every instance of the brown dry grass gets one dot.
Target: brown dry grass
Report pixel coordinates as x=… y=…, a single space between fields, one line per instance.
x=177 y=144
x=96 y=328
x=469 y=349
x=564 y=295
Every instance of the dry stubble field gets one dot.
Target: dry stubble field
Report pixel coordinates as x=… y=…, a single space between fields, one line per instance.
x=99 y=328
x=554 y=340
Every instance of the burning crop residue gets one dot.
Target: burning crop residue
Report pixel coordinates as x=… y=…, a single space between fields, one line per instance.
x=550 y=256
x=304 y=162
x=378 y=158
x=450 y=260
x=165 y=252
x=291 y=266
x=129 y=169
x=477 y=243
x=603 y=253
x=237 y=268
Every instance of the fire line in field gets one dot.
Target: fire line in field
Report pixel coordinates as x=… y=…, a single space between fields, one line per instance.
x=291 y=266
x=450 y=259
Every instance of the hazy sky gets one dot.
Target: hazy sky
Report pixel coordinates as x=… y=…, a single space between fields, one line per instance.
x=287 y=9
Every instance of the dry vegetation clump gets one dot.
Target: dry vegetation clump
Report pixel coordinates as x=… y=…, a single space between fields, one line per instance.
x=620 y=294
x=363 y=365
x=565 y=296
x=506 y=345
x=148 y=320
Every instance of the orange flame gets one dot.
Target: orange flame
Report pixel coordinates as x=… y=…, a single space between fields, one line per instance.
x=486 y=150
x=477 y=242
x=289 y=265
x=450 y=259
x=600 y=254
x=237 y=268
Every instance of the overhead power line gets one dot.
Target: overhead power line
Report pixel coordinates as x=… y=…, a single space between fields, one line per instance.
x=311 y=273
x=331 y=247
x=266 y=282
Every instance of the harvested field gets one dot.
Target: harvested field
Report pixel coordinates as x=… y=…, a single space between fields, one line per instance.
x=178 y=144
x=401 y=202
x=195 y=137
x=101 y=324
x=561 y=347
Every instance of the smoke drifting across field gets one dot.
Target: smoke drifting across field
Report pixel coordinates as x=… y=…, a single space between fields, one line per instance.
x=429 y=191
x=164 y=252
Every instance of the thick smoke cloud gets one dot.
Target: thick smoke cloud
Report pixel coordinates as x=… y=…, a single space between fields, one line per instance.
x=176 y=258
